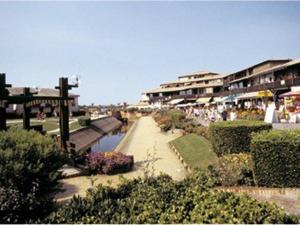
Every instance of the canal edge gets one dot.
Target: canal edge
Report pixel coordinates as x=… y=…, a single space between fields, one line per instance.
x=126 y=138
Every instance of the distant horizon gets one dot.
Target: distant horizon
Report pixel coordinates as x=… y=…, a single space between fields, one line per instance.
x=121 y=49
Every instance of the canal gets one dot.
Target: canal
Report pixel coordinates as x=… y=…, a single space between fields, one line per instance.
x=110 y=141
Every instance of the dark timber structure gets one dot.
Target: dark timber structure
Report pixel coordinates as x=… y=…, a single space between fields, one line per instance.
x=28 y=99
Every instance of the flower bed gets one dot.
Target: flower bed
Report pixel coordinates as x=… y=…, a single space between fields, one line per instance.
x=109 y=162
x=251 y=114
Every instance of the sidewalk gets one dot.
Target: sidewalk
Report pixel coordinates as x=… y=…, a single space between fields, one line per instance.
x=149 y=146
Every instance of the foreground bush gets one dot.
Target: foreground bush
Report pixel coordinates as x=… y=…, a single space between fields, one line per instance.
x=84 y=121
x=234 y=136
x=234 y=169
x=276 y=157
x=162 y=200
x=109 y=162
x=168 y=120
x=28 y=175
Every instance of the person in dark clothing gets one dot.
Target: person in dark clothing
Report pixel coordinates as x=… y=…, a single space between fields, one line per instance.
x=224 y=115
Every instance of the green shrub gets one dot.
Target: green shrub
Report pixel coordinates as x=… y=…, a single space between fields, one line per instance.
x=234 y=136
x=162 y=200
x=84 y=121
x=28 y=175
x=203 y=131
x=234 y=169
x=165 y=127
x=276 y=157
x=168 y=120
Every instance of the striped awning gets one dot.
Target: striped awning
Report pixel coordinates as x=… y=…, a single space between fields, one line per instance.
x=50 y=102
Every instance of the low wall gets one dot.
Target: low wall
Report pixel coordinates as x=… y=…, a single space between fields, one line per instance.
x=185 y=165
x=287 y=198
x=127 y=137
x=84 y=138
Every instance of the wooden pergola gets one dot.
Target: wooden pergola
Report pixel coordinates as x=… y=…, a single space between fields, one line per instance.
x=28 y=99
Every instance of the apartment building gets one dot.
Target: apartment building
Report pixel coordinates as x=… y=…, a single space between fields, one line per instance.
x=268 y=79
x=263 y=81
x=193 y=87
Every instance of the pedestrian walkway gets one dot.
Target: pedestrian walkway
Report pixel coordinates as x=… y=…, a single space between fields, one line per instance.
x=151 y=152
x=282 y=126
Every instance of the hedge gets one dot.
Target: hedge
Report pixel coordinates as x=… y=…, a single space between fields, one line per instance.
x=165 y=201
x=276 y=157
x=234 y=136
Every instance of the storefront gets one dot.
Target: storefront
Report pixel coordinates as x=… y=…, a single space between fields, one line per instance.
x=259 y=99
x=292 y=106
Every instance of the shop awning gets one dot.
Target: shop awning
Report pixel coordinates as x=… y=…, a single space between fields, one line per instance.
x=290 y=94
x=217 y=99
x=254 y=95
x=266 y=93
x=249 y=95
x=181 y=105
x=230 y=98
x=185 y=105
x=203 y=100
x=176 y=101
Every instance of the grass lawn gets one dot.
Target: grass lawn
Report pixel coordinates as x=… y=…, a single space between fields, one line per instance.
x=48 y=124
x=74 y=126
x=195 y=150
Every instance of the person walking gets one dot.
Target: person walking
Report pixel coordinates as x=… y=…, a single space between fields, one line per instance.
x=224 y=115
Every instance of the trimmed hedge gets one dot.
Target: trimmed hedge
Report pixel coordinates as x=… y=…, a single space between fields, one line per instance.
x=234 y=136
x=276 y=157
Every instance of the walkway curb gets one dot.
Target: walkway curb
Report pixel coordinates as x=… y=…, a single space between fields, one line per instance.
x=185 y=165
x=127 y=137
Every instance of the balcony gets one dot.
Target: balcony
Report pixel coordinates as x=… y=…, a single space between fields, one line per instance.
x=276 y=85
x=169 y=98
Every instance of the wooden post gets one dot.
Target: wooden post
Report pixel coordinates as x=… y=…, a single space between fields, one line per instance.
x=3 y=94
x=26 y=110
x=64 y=112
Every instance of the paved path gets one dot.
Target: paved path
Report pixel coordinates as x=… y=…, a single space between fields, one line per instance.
x=292 y=126
x=149 y=146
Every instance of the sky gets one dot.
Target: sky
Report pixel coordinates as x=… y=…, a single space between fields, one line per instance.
x=120 y=49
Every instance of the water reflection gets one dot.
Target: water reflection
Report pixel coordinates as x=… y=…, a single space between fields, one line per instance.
x=109 y=142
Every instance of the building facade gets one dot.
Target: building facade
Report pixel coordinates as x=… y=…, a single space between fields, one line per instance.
x=188 y=87
x=262 y=81
x=48 y=108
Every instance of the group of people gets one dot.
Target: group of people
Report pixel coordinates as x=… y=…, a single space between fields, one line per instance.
x=210 y=113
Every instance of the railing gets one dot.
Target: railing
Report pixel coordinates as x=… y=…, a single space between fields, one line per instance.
x=261 y=87
x=279 y=84
x=169 y=98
